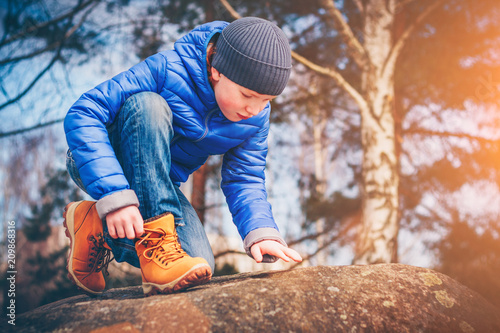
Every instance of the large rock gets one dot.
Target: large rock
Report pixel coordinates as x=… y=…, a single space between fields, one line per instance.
x=377 y=298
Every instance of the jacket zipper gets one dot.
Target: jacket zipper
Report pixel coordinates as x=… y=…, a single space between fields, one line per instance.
x=175 y=138
x=207 y=119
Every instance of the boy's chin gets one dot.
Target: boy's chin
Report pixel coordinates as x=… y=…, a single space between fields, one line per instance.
x=233 y=118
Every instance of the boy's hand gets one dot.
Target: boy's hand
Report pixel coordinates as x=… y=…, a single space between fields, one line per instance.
x=275 y=249
x=125 y=222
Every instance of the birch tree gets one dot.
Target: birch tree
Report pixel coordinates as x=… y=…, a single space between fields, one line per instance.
x=376 y=54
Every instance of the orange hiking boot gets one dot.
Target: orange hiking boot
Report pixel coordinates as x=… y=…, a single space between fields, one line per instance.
x=88 y=254
x=165 y=267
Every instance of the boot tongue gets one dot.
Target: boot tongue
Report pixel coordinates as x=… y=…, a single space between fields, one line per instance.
x=164 y=222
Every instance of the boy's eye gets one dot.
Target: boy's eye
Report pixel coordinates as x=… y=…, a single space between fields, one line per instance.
x=245 y=95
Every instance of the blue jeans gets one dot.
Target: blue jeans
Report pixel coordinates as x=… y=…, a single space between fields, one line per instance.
x=140 y=136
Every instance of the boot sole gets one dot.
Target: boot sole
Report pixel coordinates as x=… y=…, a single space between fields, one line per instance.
x=69 y=224
x=197 y=275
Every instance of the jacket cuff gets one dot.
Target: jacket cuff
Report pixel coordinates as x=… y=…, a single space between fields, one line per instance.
x=261 y=234
x=115 y=201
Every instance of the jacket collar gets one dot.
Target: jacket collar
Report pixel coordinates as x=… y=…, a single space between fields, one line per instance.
x=192 y=49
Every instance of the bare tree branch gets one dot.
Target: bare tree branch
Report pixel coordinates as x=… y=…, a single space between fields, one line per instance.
x=230 y=9
x=359 y=5
x=33 y=54
x=357 y=50
x=35 y=80
x=350 y=222
x=449 y=135
x=55 y=58
x=33 y=28
x=345 y=228
x=398 y=46
x=318 y=250
x=309 y=237
x=224 y=253
x=31 y=128
x=358 y=98
x=402 y=3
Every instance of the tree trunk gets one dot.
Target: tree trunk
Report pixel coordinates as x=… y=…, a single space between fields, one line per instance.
x=377 y=241
x=209 y=10
x=198 y=193
x=319 y=122
x=200 y=175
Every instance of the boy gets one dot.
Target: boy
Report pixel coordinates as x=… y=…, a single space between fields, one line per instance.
x=133 y=140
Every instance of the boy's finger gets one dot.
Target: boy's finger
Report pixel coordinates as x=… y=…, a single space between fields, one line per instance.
x=120 y=232
x=283 y=256
x=112 y=232
x=293 y=254
x=255 y=250
x=277 y=252
x=130 y=232
x=139 y=231
x=139 y=228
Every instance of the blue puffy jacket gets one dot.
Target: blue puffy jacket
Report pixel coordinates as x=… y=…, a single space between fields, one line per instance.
x=180 y=76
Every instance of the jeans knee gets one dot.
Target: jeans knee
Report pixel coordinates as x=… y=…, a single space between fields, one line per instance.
x=73 y=171
x=211 y=263
x=150 y=107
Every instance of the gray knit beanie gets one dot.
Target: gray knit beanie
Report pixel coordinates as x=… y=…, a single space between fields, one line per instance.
x=255 y=54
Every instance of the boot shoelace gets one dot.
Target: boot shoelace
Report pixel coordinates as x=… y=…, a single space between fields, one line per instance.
x=100 y=257
x=166 y=248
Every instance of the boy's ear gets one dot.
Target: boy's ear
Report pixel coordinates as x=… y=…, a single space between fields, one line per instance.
x=215 y=74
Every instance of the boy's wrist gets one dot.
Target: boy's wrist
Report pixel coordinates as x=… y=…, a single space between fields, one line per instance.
x=260 y=234
x=116 y=200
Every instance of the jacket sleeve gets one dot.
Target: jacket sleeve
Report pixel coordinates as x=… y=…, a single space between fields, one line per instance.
x=85 y=126
x=243 y=184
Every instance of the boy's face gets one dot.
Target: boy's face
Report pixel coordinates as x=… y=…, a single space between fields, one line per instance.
x=237 y=102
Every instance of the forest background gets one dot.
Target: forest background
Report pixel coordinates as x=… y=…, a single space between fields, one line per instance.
x=383 y=148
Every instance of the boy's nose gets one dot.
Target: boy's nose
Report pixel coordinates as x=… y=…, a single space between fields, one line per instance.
x=254 y=109
x=251 y=110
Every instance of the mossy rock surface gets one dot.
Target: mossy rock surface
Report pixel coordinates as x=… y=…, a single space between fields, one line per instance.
x=375 y=298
